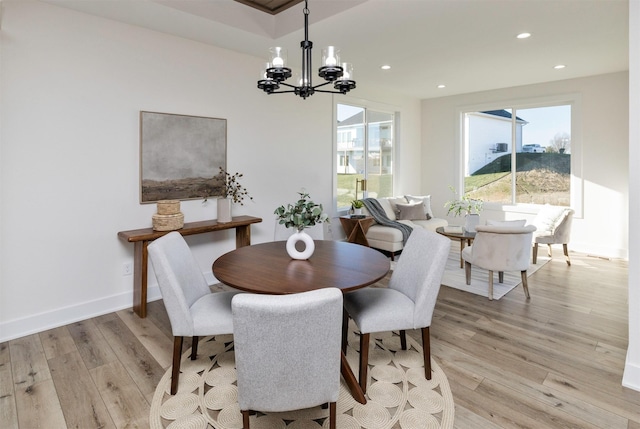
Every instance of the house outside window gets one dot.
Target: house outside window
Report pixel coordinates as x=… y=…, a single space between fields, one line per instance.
x=519 y=155
x=364 y=151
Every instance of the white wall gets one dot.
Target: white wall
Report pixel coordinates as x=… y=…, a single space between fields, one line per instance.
x=631 y=376
x=71 y=88
x=603 y=227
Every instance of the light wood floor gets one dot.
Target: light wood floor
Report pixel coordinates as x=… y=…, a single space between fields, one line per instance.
x=555 y=361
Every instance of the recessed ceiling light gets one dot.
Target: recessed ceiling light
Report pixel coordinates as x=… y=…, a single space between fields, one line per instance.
x=385 y=67
x=442 y=86
x=559 y=66
x=523 y=35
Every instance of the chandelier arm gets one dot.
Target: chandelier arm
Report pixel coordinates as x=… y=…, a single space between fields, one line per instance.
x=322 y=84
x=289 y=85
x=328 y=92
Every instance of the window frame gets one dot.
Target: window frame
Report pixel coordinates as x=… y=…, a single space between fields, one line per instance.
x=367 y=106
x=577 y=185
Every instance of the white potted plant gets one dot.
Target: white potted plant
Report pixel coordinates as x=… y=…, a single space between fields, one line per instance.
x=357 y=206
x=303 y=214
x=467 y=206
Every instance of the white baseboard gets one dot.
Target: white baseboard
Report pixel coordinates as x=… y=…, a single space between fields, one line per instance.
x=631 y=376
x=33 y=324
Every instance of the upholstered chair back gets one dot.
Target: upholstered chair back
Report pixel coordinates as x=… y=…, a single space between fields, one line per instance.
x=287 y=349
x=501 y=248
x=180 y=280
x=419 y=272
x=553 y=225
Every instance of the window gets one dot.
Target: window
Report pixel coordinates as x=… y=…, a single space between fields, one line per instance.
x=519 y=155
x=364 y=151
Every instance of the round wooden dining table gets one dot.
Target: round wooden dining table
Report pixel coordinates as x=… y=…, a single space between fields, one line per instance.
x=267 y=268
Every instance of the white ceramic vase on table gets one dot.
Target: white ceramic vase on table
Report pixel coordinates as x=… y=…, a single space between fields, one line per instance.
x=297 y=236
x=471 y=221
x=224 y=210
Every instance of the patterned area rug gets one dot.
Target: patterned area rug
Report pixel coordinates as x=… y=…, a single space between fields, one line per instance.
x=454 y=276
x=398 y=395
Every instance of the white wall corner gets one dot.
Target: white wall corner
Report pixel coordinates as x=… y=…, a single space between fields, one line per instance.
x=631 y=377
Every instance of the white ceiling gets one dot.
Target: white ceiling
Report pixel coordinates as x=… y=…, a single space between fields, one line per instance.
x=468 y=45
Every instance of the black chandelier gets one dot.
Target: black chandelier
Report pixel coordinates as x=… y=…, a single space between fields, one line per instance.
x=276 y=71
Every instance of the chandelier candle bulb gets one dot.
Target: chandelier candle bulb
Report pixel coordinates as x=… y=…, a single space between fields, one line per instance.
x=347 y=71
x=330 y=56
x=278 y=57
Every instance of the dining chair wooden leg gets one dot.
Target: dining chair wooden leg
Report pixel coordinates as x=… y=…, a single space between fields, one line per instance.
x=345 y=328
x=490 y=286
x=332 y=415
x=467 y=272
x=194 y=347
x=525 y=286
x=549 y=251
x=535 y=253
x=403 y=339
x=175 y=370
x=245 y=419
x=566 y=253
x=500 y=276
x=426 y=352
x=364 y=361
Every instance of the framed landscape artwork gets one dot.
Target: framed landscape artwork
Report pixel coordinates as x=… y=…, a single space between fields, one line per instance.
x=181 y=156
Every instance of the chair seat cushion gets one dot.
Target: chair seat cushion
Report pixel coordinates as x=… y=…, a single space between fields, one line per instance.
x=212 y=314
x=379 y=309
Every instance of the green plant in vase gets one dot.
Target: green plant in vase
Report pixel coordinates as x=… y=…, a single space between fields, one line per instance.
x=302 y=214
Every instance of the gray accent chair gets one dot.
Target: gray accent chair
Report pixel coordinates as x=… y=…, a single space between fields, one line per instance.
x=192 y=308
x=407 y=303
x=553 y=227
x=287 y=350
x=500 y=248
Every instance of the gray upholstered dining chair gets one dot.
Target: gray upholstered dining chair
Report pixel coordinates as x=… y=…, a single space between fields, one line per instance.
x=192 y=308
x=553 y=225
x=500 y=248
x=287 y=350
x=407 y=303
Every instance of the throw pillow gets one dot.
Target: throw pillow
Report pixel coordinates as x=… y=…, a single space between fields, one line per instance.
x=519 y=222
x=411 y=211
x=394 y=201
x=425 y=200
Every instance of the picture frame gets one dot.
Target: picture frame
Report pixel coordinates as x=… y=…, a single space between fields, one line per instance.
x=181 y=156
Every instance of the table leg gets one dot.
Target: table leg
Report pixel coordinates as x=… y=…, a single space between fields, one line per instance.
x=140 y=259
x=350 y=379
x=462 y=242
x=243 y=236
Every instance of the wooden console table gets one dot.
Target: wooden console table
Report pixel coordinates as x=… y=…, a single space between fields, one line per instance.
x=141 y=238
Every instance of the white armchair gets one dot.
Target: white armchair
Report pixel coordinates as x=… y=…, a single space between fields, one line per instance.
x=500 y=248
x=553 y=227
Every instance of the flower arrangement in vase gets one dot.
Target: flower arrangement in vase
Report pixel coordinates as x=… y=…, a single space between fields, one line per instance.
x=465 y=205
x=303 y=214
x=233 y=192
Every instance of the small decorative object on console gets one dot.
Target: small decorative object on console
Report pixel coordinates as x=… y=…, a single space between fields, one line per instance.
x=168 y=217
x=233 y=192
